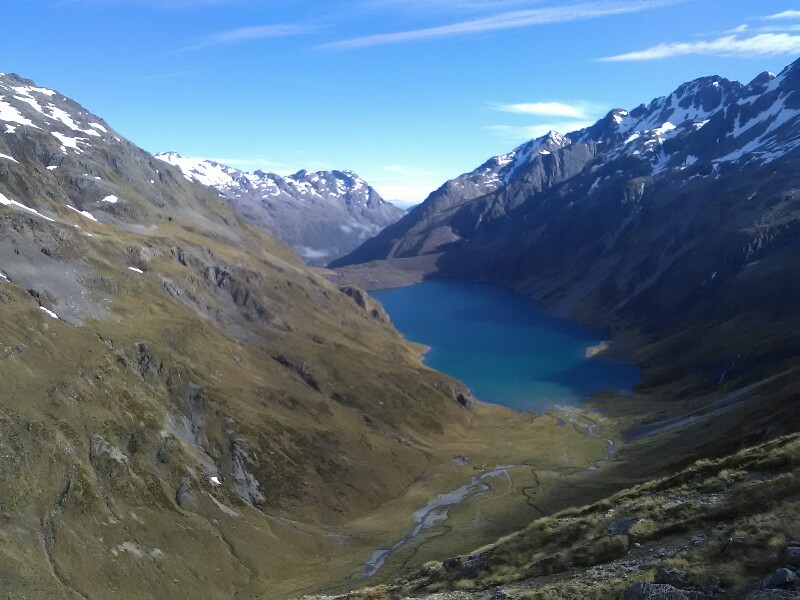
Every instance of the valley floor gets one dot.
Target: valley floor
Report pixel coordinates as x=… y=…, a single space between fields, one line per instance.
x=506 y=470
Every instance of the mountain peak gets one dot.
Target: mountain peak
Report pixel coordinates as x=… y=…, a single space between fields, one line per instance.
x=761 y=79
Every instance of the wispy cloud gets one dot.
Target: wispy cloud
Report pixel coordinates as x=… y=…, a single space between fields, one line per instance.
x=504 y=21
x=760 y=45
x=739 y=29
x=397 y=169
x=785 y=15
x=545 y=109
x=248 y=34
x=551 y=116
x=527 y=132
x=745 y=41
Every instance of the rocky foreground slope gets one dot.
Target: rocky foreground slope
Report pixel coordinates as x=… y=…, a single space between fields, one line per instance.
x=322 y=215
x=183 y=403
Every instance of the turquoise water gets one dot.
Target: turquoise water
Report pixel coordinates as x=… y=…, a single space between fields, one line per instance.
x=502 y=346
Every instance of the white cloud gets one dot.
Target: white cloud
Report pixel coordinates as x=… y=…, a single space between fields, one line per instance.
x=547 y=109
x=247 y=34
x=787 y=14
x=764 y=44
x=739 y=29
x=527 y=132
x=505 y=21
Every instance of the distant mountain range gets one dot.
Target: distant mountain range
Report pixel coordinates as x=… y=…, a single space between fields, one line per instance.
x=322 y=215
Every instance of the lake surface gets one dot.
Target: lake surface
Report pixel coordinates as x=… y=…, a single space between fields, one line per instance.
x=502 y=345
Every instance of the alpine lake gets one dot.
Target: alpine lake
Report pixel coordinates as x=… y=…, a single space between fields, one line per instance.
x=502 y=345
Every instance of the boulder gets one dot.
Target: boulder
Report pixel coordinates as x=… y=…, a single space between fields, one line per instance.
x=670 y=576
x=622 y=526
x=791 y=556
x=782 y=578
x=474 y=564
x=653 y=591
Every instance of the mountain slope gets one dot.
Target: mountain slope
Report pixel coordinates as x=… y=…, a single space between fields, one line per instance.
x=186 y=409
x=320 y=215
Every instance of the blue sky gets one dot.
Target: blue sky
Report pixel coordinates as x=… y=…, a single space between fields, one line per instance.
x=407 y=93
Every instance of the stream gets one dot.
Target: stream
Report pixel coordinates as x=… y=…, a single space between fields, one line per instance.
x=438 y=509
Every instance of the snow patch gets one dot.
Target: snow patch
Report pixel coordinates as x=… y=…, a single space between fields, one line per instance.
x=8 y=202
x=49 y=312
x=88 y=215
x=68 y=142
x=9 y=114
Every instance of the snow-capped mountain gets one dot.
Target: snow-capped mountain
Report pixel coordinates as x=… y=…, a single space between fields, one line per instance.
x=23 y=103
x=704 y=127
x=321 y=215
x=685 y=210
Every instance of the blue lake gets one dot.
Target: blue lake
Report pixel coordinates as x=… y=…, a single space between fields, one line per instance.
x=502 y=345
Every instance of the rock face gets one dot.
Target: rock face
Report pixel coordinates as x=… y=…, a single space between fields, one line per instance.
x=648 y=223
x=181 y=395
x=652 y=591
x=322 y=215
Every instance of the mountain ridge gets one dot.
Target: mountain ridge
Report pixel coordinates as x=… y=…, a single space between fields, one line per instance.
x=649 y=134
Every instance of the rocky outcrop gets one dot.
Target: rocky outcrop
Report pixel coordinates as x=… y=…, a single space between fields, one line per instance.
x=365 y=301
